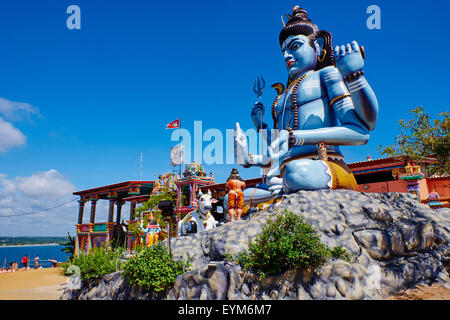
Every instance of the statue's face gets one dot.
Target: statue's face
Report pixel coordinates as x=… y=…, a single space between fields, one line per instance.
x=298 y=55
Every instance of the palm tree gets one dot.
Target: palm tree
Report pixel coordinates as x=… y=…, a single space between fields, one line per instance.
x=69 y=246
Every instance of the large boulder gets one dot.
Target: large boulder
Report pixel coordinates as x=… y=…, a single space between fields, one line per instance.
x=396 y=242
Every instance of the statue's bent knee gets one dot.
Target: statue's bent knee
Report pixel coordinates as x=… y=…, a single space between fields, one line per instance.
x=305 y=174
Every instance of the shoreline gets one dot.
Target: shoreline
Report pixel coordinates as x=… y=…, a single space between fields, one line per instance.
x=29 y=245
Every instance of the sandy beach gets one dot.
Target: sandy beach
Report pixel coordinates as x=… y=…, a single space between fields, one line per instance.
x=32 y=284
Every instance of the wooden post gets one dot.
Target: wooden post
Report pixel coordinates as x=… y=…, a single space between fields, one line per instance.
x=132 y=209
x=110 y=230
x=111 y=210
x=119 y=204
x=80 y=211
x=77 y=241
x=194 y=192
x=178 y=196
x=93 y=205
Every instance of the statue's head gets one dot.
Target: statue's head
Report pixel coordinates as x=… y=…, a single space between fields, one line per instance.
x=303 y=45
x=234 y=175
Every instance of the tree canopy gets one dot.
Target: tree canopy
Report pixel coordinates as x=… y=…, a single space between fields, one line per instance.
x=421 y=138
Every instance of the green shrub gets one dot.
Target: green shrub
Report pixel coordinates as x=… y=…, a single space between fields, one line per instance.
x=154 y=268
x=287 y=242
x=96 y=263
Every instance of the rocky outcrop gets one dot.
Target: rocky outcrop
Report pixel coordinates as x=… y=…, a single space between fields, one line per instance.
x=396 y=242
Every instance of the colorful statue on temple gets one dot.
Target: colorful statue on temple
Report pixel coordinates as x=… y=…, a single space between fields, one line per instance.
x=164 y=183
x=235 y=196
x=433 y=200
x=194 y=170
x=150 y=234
x=201 y=219
x=326 y=102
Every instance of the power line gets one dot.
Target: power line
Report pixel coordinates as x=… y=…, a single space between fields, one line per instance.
x=35 y=212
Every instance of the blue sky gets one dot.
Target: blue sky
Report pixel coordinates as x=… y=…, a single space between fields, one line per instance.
x=87 y=102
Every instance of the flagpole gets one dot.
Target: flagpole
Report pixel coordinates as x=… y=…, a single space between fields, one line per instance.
x=140 y=168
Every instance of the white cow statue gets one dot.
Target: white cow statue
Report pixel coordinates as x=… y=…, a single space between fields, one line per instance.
x=202 y=216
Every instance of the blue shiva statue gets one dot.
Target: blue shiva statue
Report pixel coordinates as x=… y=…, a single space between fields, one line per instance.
x=327 y=102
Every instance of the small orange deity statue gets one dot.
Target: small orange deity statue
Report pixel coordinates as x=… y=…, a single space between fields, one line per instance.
x=234 y=186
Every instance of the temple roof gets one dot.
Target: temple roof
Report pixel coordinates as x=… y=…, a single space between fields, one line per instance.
x=118 y=190
x=383 y=162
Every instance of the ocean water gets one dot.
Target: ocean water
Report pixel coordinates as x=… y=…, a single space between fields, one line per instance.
x=45 y=252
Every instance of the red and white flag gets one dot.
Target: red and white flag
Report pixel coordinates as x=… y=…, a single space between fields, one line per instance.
x=174 y=124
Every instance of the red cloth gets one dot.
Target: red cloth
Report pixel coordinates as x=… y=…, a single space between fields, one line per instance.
x=25 y=260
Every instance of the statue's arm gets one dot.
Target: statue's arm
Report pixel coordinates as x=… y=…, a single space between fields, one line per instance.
x=350 y=63
x=352 y=131
x=364 y=100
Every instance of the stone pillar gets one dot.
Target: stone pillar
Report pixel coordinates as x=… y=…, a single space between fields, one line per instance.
x=119 y=204
x=132 y=210
x=111 y=210
x=93 y=205
x=80 y=211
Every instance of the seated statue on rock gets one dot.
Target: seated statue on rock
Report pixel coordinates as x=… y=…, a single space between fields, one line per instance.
x=200 y=219
x=327 y=102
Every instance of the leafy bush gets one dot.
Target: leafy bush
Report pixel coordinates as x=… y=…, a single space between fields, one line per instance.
x=154 y=268
x=151 y=205
x=287 y=242
x=96 y=263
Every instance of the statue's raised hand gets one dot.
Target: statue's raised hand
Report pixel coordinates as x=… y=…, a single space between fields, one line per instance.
x=280 y=146
x=258 y=115
x=240 y=147
x=349 y=58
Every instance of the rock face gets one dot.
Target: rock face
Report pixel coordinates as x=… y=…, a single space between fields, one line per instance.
x=397 y=243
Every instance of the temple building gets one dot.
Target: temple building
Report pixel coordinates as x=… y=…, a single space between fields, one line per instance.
x=377 y=175
x=393 y=175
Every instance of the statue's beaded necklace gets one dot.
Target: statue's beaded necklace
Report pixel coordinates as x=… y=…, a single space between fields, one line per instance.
x=202 y=214
x=294 y=85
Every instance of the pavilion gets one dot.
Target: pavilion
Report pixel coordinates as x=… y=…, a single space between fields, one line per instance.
x=92 y=234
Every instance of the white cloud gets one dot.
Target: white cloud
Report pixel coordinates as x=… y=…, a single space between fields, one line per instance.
x=10 y=136
x=33 y=193
x=17 y=111
x=45 y=186
x=12 y=111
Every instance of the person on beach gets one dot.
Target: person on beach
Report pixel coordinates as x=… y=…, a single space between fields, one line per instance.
x=36 y=261
x=25 y=261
